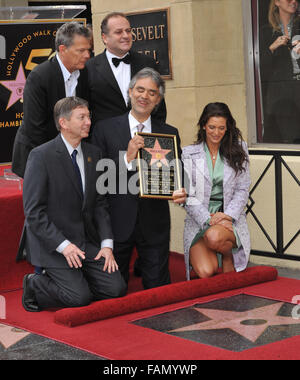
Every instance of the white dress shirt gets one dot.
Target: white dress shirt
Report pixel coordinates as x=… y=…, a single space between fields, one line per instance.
x=70 y=79
x=122 y=74
x=133 y=123
x=80 y=162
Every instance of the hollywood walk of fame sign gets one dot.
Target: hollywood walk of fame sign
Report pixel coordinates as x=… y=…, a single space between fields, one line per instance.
x=23 y=45
x=235 y=323
x=159 y=166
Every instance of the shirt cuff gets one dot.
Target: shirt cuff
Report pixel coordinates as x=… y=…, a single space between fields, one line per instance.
x=107 y=243
x=127 y=164
x=62 y=246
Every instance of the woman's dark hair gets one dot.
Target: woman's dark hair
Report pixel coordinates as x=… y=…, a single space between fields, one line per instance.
x=231 y=144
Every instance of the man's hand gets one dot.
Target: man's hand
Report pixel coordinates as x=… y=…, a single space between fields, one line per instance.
x=179 y=196
x=73 y=255
x=136 y=143
x=110 y=262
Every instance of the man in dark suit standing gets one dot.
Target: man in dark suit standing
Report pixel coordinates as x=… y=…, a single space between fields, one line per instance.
x=143 y=223
x=64 y=75
x=68 y=229
x=111 y=71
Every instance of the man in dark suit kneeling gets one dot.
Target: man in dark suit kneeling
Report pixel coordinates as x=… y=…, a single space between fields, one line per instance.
x=67 y=224
x=143 y=223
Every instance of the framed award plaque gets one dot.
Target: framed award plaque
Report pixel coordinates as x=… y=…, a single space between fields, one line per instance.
x=159 y=166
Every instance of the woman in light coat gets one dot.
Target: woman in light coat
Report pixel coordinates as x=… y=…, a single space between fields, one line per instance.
x=218 y=169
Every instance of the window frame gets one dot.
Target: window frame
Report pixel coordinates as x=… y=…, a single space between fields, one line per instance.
x=254 y=109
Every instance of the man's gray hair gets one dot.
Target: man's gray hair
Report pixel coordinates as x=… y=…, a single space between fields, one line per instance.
x=148 y=72
x=65 y=106
x=66 y=33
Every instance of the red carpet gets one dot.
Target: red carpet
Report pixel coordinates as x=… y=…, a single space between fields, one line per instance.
x=164 y=295
x=111 y=332
x=11 y=224
x=119 y=339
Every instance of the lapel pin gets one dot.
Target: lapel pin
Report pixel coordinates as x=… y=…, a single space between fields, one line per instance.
x=89 y=159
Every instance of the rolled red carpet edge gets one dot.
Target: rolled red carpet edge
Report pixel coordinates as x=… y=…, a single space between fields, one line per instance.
x=164 y=295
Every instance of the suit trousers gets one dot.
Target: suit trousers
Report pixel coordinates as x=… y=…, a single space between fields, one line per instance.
x=153 y=258
x=71 y=287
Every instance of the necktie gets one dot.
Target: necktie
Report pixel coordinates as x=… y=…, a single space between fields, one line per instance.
x=76 y=167
x=126 y=59
x=140 y=127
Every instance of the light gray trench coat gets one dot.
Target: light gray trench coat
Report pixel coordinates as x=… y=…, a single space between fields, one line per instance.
x=235 y=197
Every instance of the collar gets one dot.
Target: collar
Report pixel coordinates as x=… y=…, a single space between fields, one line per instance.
x=69 y=146
x=133 y=123
x=65 y=71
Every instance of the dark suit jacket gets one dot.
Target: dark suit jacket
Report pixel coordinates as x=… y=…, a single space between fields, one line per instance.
x=44 y=87
x=112 y=136
x=53 y=206
x=106 y=100
x=281 y=103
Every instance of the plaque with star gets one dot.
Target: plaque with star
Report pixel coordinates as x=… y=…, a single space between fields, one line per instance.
x=159 y=166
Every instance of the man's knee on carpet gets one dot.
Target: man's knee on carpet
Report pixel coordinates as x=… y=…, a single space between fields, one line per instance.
x=114 y=289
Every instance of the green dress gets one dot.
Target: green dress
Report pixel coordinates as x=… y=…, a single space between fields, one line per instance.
x=216 y=198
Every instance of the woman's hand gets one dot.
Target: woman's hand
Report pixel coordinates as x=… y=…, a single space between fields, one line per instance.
x=179 y=196
x=221 y=219
x=280 y=41
x=296 y=46
x=218 y=217
x=227 y=224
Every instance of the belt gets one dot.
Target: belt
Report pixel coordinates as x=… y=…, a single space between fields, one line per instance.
x=296 y=77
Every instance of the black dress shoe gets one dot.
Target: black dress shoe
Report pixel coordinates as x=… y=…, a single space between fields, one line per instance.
x=28 y=299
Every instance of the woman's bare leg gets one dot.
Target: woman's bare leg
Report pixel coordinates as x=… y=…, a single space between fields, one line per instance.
x=203 y=260
x=220 y=239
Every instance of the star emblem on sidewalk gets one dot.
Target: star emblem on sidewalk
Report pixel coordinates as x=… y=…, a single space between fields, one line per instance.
x=158 y=155
x=10 y=335
x=249 y=324
x=16 y=87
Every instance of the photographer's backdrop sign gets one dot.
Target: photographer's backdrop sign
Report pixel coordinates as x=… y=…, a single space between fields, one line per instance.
x=23 y=45
x=151 y=36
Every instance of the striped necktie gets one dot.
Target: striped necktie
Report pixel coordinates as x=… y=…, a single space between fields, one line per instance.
x=140 y=127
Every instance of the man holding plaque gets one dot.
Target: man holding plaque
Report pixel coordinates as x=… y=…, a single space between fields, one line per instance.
x=138 y=222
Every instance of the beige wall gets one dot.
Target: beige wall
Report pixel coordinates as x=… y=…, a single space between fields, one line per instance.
x=208 y=60
x=14 y=3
